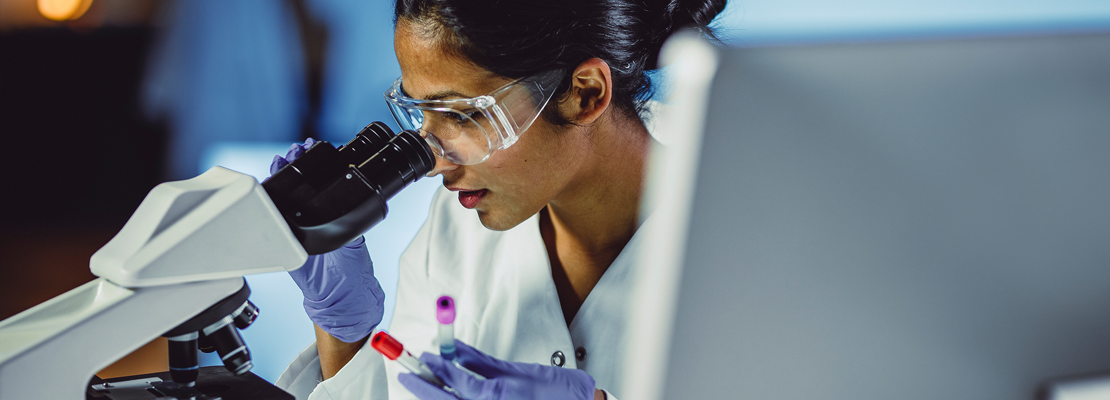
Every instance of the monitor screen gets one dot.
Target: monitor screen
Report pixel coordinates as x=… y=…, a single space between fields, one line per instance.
x=925 y=220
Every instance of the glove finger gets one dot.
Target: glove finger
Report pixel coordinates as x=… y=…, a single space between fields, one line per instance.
x=278 y=163
x=467 y=386
x=482 y=363
x=423 y=390
x=308 y=143
x=295 y=151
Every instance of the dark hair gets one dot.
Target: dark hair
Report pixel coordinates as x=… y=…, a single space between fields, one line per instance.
x=516 y=39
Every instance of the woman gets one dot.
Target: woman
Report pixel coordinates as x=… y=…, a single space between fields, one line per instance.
x=534 y=110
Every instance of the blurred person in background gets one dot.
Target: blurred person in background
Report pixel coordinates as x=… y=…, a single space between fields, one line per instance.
x=225 y=71
x=262 y=71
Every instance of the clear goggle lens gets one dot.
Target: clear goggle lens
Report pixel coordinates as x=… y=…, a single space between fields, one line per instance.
x=458 y=136
x=467 y=131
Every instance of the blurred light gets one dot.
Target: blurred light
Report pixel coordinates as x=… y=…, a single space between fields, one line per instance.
x=61 y=10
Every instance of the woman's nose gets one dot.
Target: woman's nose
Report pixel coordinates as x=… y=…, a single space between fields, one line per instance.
x=442 y=165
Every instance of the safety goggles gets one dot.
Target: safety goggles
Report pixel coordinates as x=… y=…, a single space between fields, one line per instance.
x=467 y=131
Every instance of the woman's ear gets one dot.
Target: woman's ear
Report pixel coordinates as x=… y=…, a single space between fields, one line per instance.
x=591 y=91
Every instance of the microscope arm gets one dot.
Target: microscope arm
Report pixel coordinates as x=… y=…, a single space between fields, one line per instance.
x=65 y=341
x=184 y=249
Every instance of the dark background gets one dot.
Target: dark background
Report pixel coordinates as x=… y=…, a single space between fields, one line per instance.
x=83 y=145
x=78 y=156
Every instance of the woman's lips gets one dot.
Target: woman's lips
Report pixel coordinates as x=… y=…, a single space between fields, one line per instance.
x=470 y=198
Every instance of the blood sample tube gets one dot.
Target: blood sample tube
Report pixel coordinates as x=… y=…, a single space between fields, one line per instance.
x=394 y=350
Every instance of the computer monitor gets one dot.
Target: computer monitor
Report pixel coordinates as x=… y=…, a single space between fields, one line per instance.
x=924 y=220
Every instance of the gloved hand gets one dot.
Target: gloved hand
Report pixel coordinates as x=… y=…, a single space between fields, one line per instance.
x=295 y=151
x=506 y=380
x=341 y=295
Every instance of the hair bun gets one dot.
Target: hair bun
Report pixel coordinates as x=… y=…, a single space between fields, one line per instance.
x=675 y=15
x=680 y=14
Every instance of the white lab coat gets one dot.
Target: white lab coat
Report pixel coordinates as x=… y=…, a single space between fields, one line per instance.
x=506 y=306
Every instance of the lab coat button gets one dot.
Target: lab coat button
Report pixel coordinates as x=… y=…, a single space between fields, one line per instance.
x=580 y=353
x=558 y=359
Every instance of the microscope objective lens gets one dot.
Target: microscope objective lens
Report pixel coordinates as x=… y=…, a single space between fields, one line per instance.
x=183 y=358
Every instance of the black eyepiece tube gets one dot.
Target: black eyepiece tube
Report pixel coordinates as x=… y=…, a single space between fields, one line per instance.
x=331 y=196
x=368 y=141
x=401 y=162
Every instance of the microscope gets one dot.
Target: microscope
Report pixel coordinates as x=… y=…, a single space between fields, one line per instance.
x=176 y=268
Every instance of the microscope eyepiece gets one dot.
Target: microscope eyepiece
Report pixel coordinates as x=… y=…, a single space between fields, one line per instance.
x=402 y=161
x=367 y=142
x=330 y=196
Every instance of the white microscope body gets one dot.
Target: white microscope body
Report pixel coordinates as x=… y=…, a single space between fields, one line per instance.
x=184 y=249
x=179 y=261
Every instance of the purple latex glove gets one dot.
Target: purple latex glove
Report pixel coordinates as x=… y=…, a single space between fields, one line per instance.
x=294 y=151
x=341 y=295
x=506 y=380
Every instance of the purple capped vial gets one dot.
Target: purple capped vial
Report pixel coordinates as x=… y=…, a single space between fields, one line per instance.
x=445 y=314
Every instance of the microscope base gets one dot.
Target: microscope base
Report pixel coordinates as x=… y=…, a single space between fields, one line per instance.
x=214 y=383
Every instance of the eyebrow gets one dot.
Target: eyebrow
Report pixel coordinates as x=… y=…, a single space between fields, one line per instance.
x=446 y=94
x=440 y=95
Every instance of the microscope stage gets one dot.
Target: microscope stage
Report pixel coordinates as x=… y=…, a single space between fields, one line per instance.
x=215 y=382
